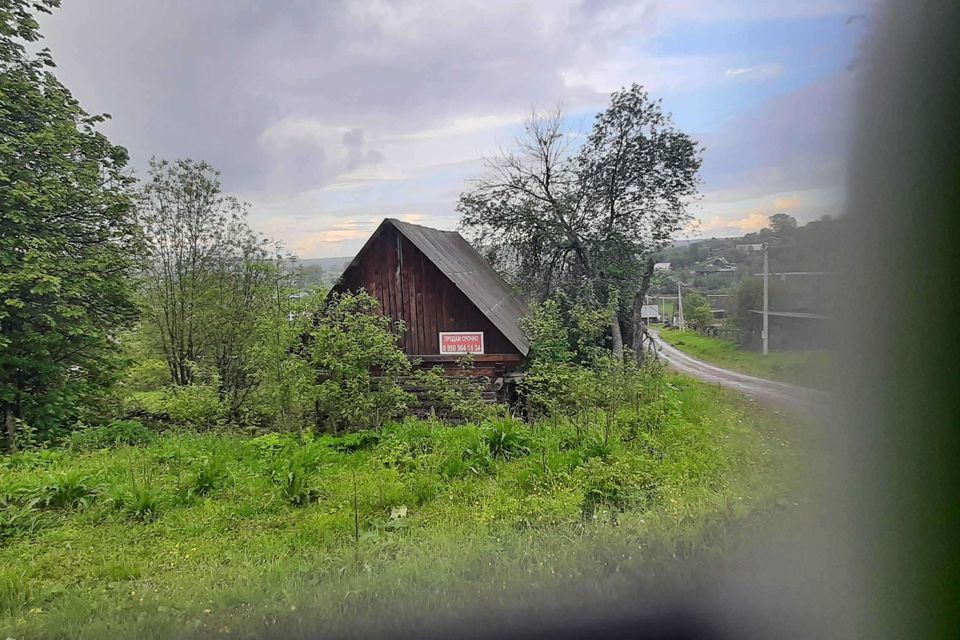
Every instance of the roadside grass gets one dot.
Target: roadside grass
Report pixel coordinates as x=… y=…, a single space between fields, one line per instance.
x=807 y=368
x=222 y=534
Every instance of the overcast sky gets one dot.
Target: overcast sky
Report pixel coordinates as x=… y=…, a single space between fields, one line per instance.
x=329 y=116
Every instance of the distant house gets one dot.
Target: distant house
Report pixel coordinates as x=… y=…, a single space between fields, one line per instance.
x=718 y=264
x=748 y=248
x=451 y=301
x=649 y=313
x=661 y=266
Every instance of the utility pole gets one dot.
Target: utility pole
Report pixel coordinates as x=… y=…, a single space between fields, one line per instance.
x=766 y=299
x=680 y=307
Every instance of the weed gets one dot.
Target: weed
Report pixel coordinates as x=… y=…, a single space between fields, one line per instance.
x=141 y=501
x=296 y=488
x=506 y=439
x=125 y=432
x=18 y=520
x=610 y=484
x=208 y=477
x=596 y=446
x=67 y=491
x=473 y=459
x=356 y=441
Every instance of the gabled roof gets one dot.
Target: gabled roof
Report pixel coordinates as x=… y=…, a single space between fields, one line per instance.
x=469 y=272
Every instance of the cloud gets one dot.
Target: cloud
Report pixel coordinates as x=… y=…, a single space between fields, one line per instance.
x=329 y=115
x=736 y=212
x=758 y=73
x=791 y=202
x=751 y=222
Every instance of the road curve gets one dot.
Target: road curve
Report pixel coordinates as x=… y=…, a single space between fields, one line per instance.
x=759 y=388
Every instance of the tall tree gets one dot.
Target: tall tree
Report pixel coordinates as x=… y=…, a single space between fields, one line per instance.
x=67 y=233
x=207 y=278
x=586 y=220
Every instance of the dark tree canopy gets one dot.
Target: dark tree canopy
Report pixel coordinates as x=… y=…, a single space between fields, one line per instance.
x=586 y=220
x=66 y=233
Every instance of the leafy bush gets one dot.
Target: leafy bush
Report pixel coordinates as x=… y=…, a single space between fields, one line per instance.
x=147 y=374
x=270 y=444
x=596 y=446
x=349 y=340
x=350 y=442
x=196 y=405
x=115 y=434
x=506 y=438
x=454 y=398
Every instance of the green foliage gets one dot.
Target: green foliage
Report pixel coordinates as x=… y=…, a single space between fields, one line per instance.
x=612 y=484
x=454 y=398
x=506 y=438
x=696 y=309
x=142 y=501
x=347 y=341
x=471 y=459
x=284 y=383
x=207 y=477
x=296 y=486
x=208 y=280
x=121 y=433
x=447 y=509
x=68 y=238
x=18 y=520
x=196 y=405
x=70 y=490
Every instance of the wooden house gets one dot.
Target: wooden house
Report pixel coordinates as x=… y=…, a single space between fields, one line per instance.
x=451 y=301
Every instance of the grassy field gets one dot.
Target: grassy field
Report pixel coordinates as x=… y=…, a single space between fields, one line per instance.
x=808 y=368
x=188 y=534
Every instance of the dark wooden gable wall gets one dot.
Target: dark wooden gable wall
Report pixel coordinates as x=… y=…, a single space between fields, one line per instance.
x=411 y=288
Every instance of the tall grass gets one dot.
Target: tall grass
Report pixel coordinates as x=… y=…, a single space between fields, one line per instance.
x=390 y=520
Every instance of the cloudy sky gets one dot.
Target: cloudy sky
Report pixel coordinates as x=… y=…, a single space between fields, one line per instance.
x=329 y=116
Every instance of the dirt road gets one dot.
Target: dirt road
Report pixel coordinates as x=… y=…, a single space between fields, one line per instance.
x=759 y=388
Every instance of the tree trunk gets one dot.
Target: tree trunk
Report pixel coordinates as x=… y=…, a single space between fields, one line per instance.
x=617 y=336
x=639 y=327
x=10 y=428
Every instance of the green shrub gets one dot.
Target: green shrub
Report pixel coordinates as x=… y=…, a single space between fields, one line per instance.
x=506 y=438
x=115 y=434
x=66 y=491
x=356 y=441
x=195 y=406
x=347 y=340
x=270 y=444
x=147 y=375
x=37 y=459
